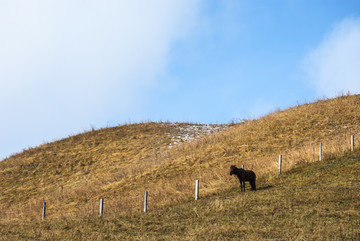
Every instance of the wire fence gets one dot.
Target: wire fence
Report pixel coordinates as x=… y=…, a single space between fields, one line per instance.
x=36 y=209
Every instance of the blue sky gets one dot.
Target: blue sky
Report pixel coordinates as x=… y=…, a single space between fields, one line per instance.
x=67 y=65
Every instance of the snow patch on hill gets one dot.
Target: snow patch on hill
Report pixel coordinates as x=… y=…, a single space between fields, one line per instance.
x=191 y=132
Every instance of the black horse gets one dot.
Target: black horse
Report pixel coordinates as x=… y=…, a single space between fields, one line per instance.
x=244 y=175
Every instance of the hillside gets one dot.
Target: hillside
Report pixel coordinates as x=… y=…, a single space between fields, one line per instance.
x=319 y=201
x=73 y=171
x=119 y=163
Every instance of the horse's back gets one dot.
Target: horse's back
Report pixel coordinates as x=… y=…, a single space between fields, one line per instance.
x=251 y=175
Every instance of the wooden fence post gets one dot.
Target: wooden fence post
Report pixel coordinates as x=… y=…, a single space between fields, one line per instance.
x=44 y=210
x=101 y=207
x=352 y=143
x=145 y=201
x=196 y=189
x=280 y=163
x=320 y=151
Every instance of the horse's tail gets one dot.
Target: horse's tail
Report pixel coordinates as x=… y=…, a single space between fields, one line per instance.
x=253 y=185
x=253 y=181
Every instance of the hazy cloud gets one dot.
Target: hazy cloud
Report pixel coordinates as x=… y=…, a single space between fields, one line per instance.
x=66 y=64
x=333 y=67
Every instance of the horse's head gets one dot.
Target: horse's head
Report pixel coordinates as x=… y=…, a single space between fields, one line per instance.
x=232 y=170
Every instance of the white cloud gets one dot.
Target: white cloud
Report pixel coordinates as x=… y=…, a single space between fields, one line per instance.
x=64 y=62
x=334 y=66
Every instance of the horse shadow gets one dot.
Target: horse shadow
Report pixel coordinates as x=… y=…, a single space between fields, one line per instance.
x=264 y=187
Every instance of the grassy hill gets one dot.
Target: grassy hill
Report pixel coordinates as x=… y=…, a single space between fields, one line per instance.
x=119 y=163
x=319 y=201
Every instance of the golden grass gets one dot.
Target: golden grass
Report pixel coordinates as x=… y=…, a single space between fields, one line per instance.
x=119 y=163
x=319 y=201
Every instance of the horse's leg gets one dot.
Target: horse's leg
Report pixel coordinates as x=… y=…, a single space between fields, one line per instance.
x=244 y=185
x=241 y=186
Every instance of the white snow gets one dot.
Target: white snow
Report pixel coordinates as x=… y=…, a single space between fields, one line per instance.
x=191 y=132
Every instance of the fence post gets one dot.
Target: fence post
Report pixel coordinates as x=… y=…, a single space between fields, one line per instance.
x=280 y=162
x=196 y=189
x=44 y=211
x=352 y=143
x=145 y=201
x=101 y=207
x=320 y=151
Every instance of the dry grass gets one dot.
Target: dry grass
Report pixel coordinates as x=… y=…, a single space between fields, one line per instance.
x=71 y=173
x=320 y=201
x=119 y=163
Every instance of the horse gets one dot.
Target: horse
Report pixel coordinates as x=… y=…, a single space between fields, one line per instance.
x=244 y=175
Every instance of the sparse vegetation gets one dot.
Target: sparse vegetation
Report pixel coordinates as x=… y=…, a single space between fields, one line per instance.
x=317 y=201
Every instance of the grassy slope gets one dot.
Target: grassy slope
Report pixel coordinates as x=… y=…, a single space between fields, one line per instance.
x=119 y=163
x=72 y=171
x=319 y=201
